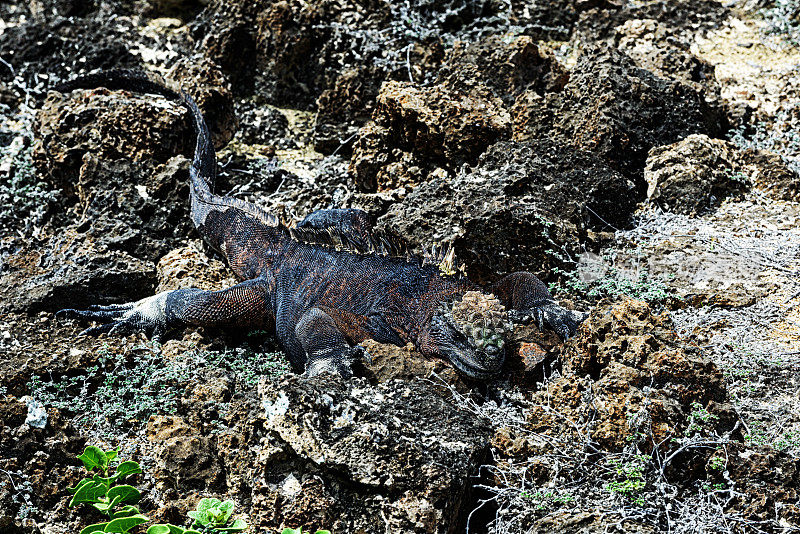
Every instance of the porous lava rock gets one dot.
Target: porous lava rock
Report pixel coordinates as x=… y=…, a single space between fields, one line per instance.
x=770 y=172
x=626 y=379
x=694 y=174
x=189 y=266
x=110 y=125
x=698 y=172
x=124 y=217
x=682 y=18
x=429 y=127
x=355 y=457
x=36 y=463
x=186 y=459
x=122 y=201
x=765 y=481
x=519 y=208
x=342 y=109
x=617 y=110
x=44 y=53
x=263 y=125
x=208 y=86
x=506 y=66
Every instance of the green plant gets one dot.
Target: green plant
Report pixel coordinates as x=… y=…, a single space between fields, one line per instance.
x=547 y=499
x=301 y=531
x=783 y=19
x=21 y=189
x=699 y=419
x=116 y=502
x=170 y=529
x=101 y=491
x=213 y=515
x=717 y=463
x=630 y=477
x=613 y=284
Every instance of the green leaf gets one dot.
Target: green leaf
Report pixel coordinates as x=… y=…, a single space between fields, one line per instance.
x=237 y=526
x=292 y=531
x=91 y=529
x=125 y=511
x=207 y=503
x=160 y=529
x=125 y=493
x=106 y=507
x=323 y=532
x=111 y=455
x=227 y=509
x=91 y=493
x=190 y=531
x=93 y=458
x=124 y=524
x=77 y=487
x=127 y=468
x=200 y=518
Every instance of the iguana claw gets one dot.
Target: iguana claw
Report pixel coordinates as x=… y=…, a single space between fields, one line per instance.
x=549 y=314
x=146 y=315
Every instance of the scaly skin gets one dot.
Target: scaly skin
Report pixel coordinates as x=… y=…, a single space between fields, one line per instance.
x=322 y=302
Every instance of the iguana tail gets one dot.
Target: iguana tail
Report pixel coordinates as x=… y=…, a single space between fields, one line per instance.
x=203 y=172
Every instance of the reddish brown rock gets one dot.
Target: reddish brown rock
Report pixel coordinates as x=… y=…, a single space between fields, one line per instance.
x=110 y=125
x=507 y=66
x=438 y=126
x=209 y=88
x=765 y=481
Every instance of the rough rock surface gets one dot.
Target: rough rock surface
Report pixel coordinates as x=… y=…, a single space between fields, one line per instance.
x=653 y=46
x=515 y=208
x=122 y=201
x=355 y=457
x=424 y=127
x=617 y=110
x=209 y=88
x=111 y=125
x=36 y=463
x=125 y=217
x=638 y=362
x=627 y=381
x=189 y=266
x=506 y=66
x=698 y=172
x=682 y=18
x=765 y=481
x=694 y=174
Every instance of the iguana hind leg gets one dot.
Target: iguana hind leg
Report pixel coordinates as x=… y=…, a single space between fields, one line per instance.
x=527 y=299
x=243 y=305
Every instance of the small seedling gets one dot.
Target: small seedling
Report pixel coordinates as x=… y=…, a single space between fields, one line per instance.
x=101 y=492
x=169 y=529
x=301 y=531
x=214 y=515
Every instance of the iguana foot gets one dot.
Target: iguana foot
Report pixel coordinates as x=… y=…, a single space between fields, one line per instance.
x=336 y=361
x=146 y=315
x=549 y=314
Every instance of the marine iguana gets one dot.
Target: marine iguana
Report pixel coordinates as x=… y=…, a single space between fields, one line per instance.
x=322 y=301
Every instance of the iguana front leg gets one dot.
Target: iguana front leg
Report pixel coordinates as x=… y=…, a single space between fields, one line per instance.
x=243 y=305
x=527 y=299
x=325 y=346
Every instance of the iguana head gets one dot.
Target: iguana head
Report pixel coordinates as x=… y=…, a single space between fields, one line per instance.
x=470 y=333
